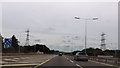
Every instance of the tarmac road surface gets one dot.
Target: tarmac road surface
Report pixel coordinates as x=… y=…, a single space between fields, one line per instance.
x=67 y=62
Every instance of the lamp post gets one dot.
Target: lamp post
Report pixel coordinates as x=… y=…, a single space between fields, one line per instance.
x=86 y=19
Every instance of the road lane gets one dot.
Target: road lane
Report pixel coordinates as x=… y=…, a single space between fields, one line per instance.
x=90 y=64
x=58 y=62
x=66 y=62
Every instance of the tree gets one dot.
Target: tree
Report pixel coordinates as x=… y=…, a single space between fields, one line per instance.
x=15 y=45
x=42 y=48
x=93 y=52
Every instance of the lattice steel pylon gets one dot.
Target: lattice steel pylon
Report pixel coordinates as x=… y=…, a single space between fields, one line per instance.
x=27 y=38
x=103 y=45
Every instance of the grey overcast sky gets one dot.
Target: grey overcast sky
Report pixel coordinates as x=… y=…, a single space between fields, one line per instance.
x=53 y=23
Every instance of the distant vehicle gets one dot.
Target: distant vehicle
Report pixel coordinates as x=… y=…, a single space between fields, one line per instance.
x=81 y=56
x=60 y=54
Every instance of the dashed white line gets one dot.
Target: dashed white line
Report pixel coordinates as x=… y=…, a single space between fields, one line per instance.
x=69 y=59
x=73 y=62
x=79 y=65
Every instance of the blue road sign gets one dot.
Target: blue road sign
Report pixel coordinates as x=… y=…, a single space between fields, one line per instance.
x=7 y=42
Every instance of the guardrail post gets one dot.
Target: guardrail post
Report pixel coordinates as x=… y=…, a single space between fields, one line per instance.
x=106 y=60
x=98 y=59
x=116 y=61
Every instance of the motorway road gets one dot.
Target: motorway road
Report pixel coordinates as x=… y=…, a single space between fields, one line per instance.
x=67 y=62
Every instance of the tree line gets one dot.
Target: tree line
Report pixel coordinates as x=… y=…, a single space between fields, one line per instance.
x=97 y=51
x=16 y=48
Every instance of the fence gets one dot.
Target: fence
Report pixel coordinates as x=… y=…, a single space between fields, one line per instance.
x=110 y=60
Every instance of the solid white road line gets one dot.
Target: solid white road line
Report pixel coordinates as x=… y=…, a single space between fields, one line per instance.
x=27 y=64
x=10 y=60
x=17 y=65
x=43 y=62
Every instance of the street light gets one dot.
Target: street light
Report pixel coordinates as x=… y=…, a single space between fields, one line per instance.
x=86 y=19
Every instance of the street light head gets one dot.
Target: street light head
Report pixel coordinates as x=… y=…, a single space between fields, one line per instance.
x=76 y=17
x=95 y=18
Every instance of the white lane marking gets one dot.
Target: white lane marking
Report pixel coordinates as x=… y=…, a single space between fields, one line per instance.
x=17 y=65
x=66 y=58
x=9 y=60
x=16 y=58
x=79 y=65
x=43 y=62
x=101 y=63
x=73 y=62
x=22 y=64
x=69 y=59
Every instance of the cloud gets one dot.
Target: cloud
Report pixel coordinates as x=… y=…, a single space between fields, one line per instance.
x=54 y=24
